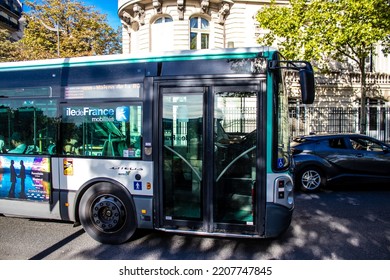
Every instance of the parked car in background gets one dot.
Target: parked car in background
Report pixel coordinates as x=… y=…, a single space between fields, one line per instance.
x=321 y=159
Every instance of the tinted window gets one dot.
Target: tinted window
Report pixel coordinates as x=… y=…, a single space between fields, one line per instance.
x=337 y=143
x=366 y=144
x=28 y=125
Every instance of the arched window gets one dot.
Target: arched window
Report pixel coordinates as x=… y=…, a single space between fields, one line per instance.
x=162 y=34
x=200 y=33
x=163 y=20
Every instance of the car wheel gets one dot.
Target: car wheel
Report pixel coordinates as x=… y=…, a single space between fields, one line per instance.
x=107 y=213
x=310 y=179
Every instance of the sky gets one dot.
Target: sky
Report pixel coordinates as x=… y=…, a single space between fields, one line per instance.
x=108 y=7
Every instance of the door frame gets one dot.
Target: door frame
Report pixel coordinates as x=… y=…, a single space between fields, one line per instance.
x=206 y=225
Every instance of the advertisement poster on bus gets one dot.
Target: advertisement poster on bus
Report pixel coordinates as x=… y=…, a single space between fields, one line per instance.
x=25 y=178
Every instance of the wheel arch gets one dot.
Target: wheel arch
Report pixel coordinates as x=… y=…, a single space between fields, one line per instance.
x=314 y=164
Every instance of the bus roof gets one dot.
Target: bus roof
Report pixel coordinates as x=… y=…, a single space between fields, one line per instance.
x=234 y=53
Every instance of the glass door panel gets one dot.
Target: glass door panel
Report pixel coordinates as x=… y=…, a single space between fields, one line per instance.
x=182 y=128
x=235 y=138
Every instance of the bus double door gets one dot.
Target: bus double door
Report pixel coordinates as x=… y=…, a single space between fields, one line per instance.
x=210 y=159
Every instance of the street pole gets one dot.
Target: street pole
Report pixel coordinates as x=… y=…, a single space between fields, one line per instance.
x=58 y=39
x=57 y=30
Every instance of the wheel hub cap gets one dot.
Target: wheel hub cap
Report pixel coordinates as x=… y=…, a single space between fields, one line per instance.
x=107 y=213
x=311 y=180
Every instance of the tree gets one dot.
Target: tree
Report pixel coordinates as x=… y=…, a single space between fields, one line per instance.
x=7 y=48
x=64 y=28
x=342 y=30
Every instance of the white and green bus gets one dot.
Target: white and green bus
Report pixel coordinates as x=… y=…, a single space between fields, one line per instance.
x=185 y=142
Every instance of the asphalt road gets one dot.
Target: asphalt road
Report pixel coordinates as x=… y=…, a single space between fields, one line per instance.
x=342 y=225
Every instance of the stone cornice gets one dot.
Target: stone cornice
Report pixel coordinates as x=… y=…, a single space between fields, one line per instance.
x=132 y=13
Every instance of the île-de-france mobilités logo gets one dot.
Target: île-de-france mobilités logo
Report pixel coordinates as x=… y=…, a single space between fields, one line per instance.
x=122 y=114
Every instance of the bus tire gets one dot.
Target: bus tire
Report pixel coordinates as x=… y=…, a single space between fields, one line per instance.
x=107 y=213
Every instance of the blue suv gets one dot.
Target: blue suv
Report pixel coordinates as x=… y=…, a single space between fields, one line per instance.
x=321 y=159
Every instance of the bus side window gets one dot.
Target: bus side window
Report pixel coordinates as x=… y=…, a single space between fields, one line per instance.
x=112 y=135
x=34 y=120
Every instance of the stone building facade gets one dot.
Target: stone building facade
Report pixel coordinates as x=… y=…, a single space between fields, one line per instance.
x=10 y=15
x=158 y=25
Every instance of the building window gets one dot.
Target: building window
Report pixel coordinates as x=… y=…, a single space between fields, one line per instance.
x=163 y=20
x=162 y=34
x=200 y=33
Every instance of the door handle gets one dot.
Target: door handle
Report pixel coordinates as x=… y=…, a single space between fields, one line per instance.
x=359 y=155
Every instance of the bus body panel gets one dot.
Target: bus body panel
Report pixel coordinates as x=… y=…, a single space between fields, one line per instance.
x=30 y=209
x=135 y=175
x=77 y=174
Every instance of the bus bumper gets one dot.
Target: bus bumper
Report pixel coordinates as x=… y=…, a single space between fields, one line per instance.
x=277 y=219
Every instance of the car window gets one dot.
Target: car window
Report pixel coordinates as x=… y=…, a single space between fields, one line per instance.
x=337 y=143
x=366 y=144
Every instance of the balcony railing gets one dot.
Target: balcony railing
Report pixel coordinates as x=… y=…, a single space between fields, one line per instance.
x=344 y=78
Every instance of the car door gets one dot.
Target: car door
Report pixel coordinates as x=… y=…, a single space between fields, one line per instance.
x=371 y=156
x=336 y=153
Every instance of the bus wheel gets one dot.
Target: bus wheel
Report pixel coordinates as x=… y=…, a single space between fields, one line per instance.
x=107 y=213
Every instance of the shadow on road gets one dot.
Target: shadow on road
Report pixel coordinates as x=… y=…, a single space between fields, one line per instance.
x=326 y=225
x=343 y=224
x=57 y=246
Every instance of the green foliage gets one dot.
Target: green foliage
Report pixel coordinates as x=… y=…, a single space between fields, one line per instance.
x=7 y=49
x=337 y=29
x=82 y=31
x=284 y=25
x=342 y=30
